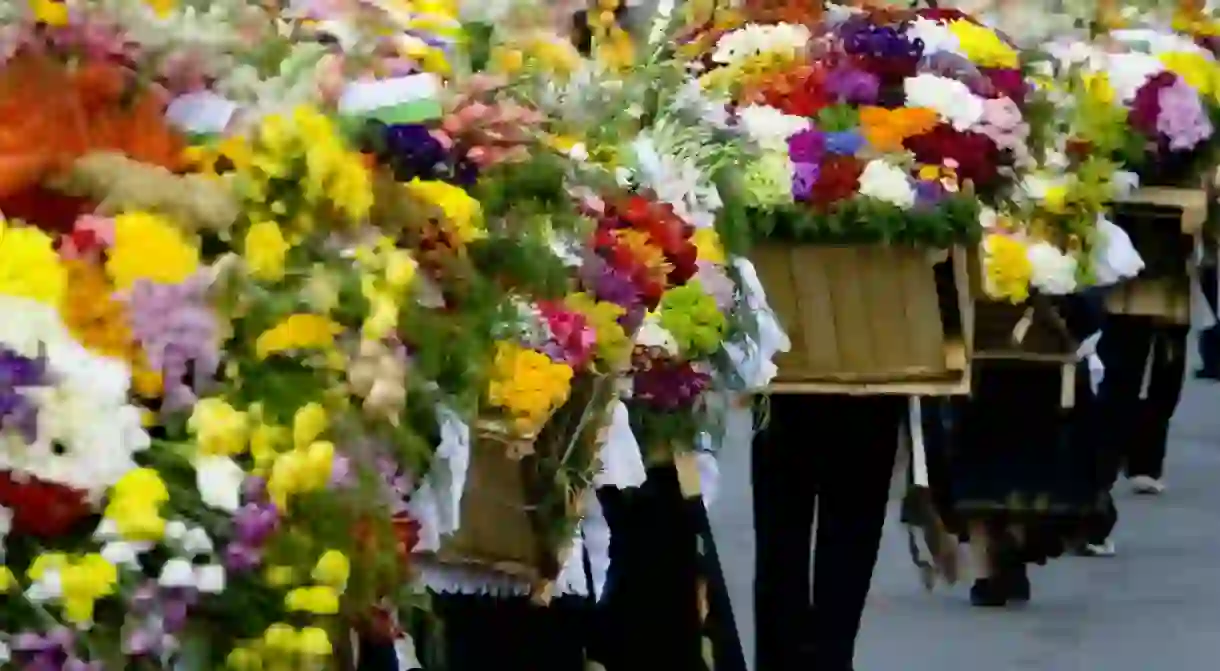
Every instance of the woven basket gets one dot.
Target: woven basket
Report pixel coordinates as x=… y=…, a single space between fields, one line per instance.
x=519 y=512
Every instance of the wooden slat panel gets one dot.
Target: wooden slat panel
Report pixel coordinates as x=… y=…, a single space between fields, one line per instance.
x=852 y=312
x=817 y=311
x=886 y=296
x=925 y=332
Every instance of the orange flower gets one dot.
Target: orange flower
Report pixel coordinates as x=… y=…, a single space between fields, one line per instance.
x=886 y=129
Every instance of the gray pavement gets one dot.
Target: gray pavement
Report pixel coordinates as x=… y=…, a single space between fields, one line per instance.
x=1154 y=607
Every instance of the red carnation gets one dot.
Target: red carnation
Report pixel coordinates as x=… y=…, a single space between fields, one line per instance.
x=976 y=156
x=1007 y=82
x=49 y=210
x=838 y=179
x=42 y=509
x=801 y=92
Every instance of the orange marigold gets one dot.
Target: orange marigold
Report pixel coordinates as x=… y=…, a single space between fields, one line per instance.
x=886 y=129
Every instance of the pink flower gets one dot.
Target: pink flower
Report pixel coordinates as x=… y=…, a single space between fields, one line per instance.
x=90 y=234
x=572 y=338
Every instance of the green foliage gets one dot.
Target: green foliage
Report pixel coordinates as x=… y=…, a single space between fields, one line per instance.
x=863 y=220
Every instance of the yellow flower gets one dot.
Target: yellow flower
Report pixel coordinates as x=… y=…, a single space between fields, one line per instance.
x=8 y=581
x=143 y=484
x=707 y=242
x=1055 y=200
x=308 y=424
x=613 y=344
x=29 y=266
x=313 y=642
x=318 y=600
x=266 y=251
x=1199 y=71
x=162 y=7
x=148 y=247
x=983 y=47
x=1008 y=268
x=462 y=213
x=135 y=505
x=280 y=576
x=299 y=331
x=528 y=385
x=1097 y=86
x=219 y=428
x=82 y=583
x=333 y=568
x=50 y=12
x=244 y=659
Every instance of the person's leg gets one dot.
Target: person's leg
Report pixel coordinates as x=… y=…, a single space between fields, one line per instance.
x=1147 y=457
x=1124 y=348
x=856 y=465
x=784 y=489
x=1209 y=338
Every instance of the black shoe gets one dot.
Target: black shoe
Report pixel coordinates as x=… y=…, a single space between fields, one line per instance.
x=1016 y=584
x=988 y=593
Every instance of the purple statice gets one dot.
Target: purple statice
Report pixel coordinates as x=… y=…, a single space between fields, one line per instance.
x=807 y=146
x=179 y=333
x=804 y=176
x=18 y=374
x=853 y=86
x=668 y=385
x=156 y=617
x=255 y=522
x=52 y=651
x=614 y=286
x=928 y=194
x=1182 y=119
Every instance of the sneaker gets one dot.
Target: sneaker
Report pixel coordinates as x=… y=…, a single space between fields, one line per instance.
x=1147 y=485
x=1105 y=549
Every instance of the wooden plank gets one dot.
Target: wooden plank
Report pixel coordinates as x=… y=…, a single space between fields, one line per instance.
x=924 y=328
x=816 y=311
x=1167 y=299
x=774 y=266
x=886 y=297
x=852 y=313
x=1192 y=202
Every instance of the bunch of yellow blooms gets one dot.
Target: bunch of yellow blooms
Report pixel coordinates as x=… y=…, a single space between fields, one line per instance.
x=82 y=580
x=1008 y=268
x=308 y=465
x=527 y=385
x=297 y=332
x=149 y=247
x=135 y=503
x=613 y=344
x=330 y=576
x=29 y=266
x=462 y=213
x=387 y=275
x=299 y=166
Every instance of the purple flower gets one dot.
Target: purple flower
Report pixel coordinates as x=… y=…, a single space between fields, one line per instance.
x=807 y=146
x=853 y=86
x=668 y=385
x=804 y=176
x=179 y=333
x=844 y=143
x=1182 y=120
x=17 y=374
x=928 y=194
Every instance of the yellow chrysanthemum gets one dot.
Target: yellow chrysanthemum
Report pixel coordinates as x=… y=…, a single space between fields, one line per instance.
x=707 y=242
x=463 y=213
x=50 y=12
x=983 y=47
x=1007 y=268
x=1199 y=71
x=266 y=251
x=29 y=266
x=148 y=247
x=297 y=332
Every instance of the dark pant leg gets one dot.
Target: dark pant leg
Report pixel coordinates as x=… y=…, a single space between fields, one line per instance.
x=1147 y=455
x=784 y=486
x=1124 y=347
x=512 y=634
x=856 y=464
x=1209 y=338
x=651 y=606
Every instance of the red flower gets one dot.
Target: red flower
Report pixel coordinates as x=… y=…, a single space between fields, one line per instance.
x=1006 y=82
x=838 y=179
x=1147 y=104
x=801 y=92
x=976 y=155
x=945 y=14
x=49 y=210
x=42 y=509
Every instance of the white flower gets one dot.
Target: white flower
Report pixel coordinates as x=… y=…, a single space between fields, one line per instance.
x=175 y=530
x=755 y=39
x=219 y=482
x=1124 y=182
x=988 y=218
x=1128 y=72
x=936 y=36
x=652 y=335
x=1053 y=271
x=6 y=522
x=771 y=128
x=579 y=152
x=887 y=183
x=196 y=542
x=124 y=553
x=210 y=578
x=951 y=99
x=5 y=654
x=47 y=588
x=177 y=573
x=1035 y=186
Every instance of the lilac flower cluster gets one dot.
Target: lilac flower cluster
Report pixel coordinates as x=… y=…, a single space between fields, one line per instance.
x=179 y=333
x=612 y=286
x=1183 y=120
x=253 y=525
x=53 y=651
x=17 y=374
x=157 y=615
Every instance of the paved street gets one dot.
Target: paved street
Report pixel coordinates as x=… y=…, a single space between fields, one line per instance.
x=1155 y=607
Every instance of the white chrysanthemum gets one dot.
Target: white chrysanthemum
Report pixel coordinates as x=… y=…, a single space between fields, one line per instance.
x=1054 y=272
x=756 y=39
x=771 y=128
x=887 y=183
x=652 y=335
x=1128 y=72
x=86 y=430
x=936 y=36
x=951 y=99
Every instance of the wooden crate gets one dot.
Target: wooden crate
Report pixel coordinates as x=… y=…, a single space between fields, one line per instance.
x=870 y=319
x=1165 y=225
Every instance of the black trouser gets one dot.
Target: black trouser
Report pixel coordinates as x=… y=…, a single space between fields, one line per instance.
x=650 y=613
x=833 y=455
x=487 y=632
x=1139 y=427
x=1209 y=338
